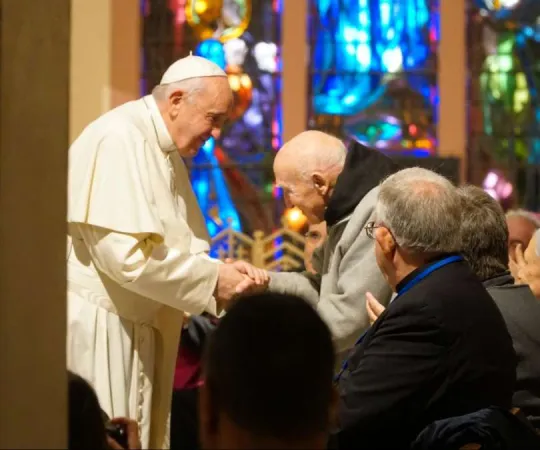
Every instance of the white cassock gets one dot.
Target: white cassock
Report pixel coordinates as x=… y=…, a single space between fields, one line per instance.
x=136 y=262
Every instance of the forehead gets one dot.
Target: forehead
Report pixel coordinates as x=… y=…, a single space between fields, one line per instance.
x=285 y=168
x=216 y=95
x=520 y=226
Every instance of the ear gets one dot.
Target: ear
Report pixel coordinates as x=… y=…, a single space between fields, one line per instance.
x=175 y=99
x=321 y=183
x=386 y=241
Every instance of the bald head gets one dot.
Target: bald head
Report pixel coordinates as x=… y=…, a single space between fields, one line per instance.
x=312 y=151
x=307 y=168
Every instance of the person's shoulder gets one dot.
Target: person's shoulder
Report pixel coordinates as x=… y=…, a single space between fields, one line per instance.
x=366 y=206
x=513 y=293
x=119 y=124
x=353 y=225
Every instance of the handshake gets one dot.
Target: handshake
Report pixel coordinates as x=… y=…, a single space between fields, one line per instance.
x=236 y=279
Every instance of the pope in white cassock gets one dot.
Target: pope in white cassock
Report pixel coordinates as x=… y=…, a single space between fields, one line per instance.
x=137 y=244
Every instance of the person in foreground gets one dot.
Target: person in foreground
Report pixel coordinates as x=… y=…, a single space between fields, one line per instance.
x=441 y=347
x=86 y=421
x=268 y=385
x=137 y=244
x=328 y=183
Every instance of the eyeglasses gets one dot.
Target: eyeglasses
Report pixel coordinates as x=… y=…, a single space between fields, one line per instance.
x=370 y=229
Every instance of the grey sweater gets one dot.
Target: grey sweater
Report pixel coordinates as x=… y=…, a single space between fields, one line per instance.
x=347 y=269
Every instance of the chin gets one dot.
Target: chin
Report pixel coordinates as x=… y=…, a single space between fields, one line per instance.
x=189 y=152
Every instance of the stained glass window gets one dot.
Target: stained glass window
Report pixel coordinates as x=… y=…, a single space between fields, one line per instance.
x=232 y=177
x=373 y=72
x=504 y=141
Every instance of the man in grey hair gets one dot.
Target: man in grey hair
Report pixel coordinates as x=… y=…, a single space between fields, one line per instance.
x=484 y=236
x=441 y=348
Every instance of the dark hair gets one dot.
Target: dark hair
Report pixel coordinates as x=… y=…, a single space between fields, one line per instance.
x=484 y=233
x=86 y=425
x=269 y=367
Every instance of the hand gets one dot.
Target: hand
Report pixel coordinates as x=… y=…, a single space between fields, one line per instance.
x=260 y=277
x=230 y=283
x=518 y=264
x=530 y=274
x=374 y=308
x=132 y=431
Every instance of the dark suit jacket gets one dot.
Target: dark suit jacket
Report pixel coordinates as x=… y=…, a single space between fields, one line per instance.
x=439 y=350
x=521 y=312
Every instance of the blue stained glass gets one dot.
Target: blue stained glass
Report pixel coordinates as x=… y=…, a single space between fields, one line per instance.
x=360 y=50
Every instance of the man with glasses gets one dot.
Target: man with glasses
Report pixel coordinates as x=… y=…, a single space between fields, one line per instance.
x=441 y=348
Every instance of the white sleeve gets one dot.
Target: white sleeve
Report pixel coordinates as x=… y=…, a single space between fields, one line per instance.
x=145 y=266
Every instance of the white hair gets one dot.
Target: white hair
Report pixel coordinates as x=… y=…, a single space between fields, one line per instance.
x=422 y=210
x=524 y=215
x=190 y=87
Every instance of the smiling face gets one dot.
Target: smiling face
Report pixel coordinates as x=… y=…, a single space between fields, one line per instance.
x=193 y=117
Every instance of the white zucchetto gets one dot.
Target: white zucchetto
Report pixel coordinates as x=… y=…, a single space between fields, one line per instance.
x=191 y=67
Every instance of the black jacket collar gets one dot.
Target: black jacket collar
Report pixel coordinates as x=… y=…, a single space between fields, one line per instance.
x=364 y=169
x=504 y=279
x=418 y=270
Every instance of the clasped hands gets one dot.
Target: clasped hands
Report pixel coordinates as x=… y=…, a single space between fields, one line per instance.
x=239 y=278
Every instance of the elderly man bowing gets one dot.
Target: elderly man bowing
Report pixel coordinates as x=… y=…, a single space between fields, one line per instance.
x=137 y=243
x=328 y=183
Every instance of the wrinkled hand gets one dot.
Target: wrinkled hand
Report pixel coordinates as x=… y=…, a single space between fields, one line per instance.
x=231 y=282
x=374 y=308
x=257 y=281
x=518 y=264
x=132 y=431
x=526 y=272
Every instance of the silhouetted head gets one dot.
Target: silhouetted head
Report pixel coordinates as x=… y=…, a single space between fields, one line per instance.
x=268 y=377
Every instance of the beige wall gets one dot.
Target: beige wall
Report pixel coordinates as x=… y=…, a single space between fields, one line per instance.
x=452 y=79
x=105 y=62
x=34 y=88
x=295 y=57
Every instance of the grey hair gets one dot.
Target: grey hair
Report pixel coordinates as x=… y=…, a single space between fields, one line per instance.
x=190 y=87
x=525 y=215
x=422 y=210
x=484 y=233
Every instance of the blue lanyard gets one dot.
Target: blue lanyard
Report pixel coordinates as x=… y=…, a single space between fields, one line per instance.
x=423 y=274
